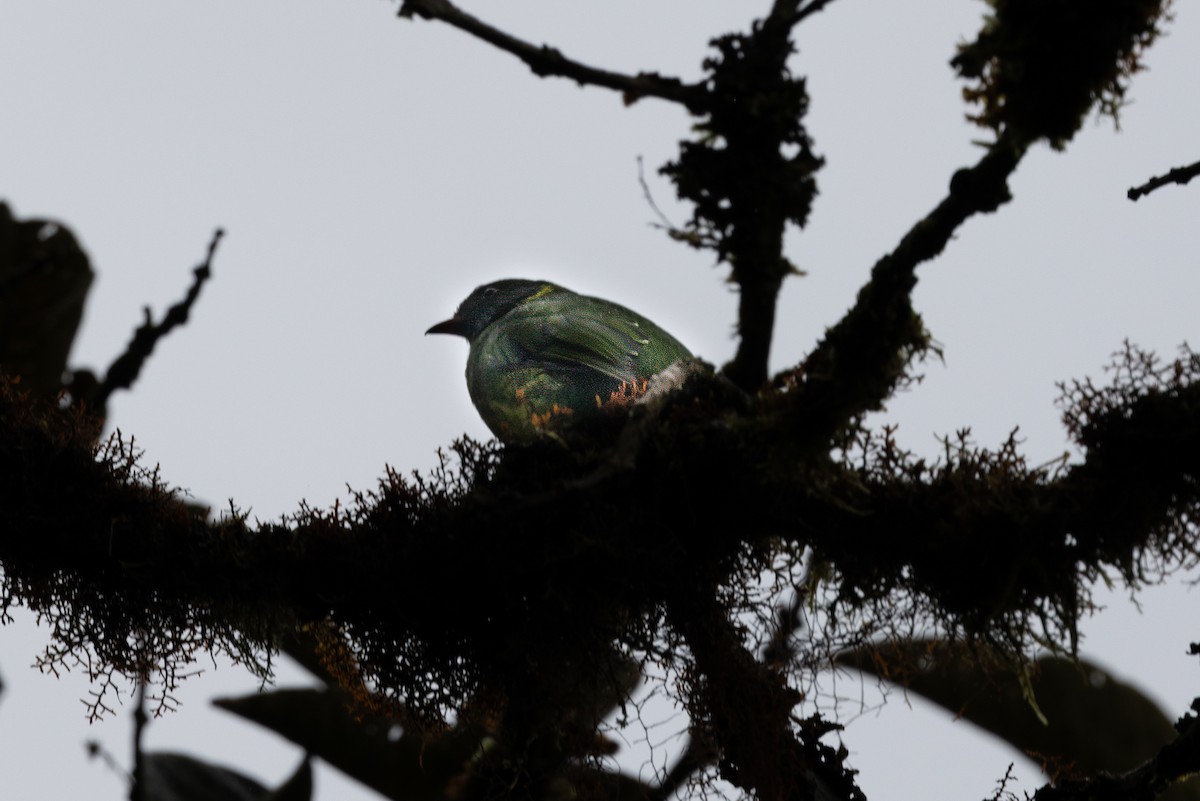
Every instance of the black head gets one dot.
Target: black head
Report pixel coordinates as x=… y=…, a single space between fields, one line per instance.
x=487 y=304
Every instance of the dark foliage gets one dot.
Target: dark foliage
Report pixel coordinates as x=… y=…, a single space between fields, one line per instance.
x=749 y=173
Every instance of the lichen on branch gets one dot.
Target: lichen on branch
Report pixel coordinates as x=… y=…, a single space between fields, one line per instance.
x=1038 y=67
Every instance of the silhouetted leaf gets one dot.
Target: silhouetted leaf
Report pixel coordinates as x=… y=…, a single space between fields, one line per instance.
x=1094 y=722
x=372 y=749
x=44 y=280
x=178 y=777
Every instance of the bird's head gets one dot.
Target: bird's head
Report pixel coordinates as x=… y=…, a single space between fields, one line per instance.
x=487 y=304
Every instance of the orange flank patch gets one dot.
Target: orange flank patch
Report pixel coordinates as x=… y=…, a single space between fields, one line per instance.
x=542 y=421
x=520 y=393
x=626 y=394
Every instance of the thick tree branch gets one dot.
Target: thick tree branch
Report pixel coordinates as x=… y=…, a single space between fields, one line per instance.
x=1131 y=505
x=546 y=61
x=862 y=359
x=133 y=556
x=749 y=173
x=1177 y=175
x=756 y=326
x=745 y=708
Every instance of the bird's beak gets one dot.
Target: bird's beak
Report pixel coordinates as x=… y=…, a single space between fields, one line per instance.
x=452 y=326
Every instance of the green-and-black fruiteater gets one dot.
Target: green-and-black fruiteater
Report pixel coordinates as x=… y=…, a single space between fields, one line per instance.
x=543 y=355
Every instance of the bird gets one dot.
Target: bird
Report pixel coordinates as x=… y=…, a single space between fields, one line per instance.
x=544 y=358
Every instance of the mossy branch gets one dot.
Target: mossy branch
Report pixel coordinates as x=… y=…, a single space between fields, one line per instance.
x=743 y=709
x=102 y=544
x=863 y=358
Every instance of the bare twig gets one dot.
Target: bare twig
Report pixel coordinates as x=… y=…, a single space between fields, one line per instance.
x=95 y=750
x=1178 y=175
x=124 y=370
x=664 y=223
x=1002 y=792
x=693 y=238
x=698 y=754
x=545 y=60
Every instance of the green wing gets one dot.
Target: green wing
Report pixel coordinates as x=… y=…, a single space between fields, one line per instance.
x=576 y=332
x=560 y=349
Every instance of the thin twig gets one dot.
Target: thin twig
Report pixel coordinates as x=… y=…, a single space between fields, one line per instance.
x=1178 y=175
x=124 y=370
x=545 y=60
x=666 y=224
x=698 y=754
x=95 y=750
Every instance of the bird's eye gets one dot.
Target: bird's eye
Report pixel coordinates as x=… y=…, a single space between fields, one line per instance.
x=491 y=290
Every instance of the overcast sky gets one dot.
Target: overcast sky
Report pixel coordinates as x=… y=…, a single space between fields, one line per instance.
x=371 y=171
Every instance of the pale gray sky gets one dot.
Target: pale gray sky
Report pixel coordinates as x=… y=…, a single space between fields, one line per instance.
x=369 y=172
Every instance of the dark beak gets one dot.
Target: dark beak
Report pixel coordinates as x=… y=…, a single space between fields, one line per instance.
x=451 y=326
